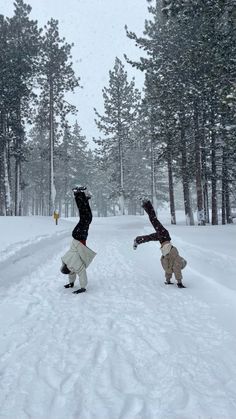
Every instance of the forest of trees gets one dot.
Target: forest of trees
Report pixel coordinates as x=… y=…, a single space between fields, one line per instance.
x=174 y=141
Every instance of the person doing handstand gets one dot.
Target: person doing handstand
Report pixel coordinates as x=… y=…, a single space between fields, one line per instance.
x=79 y=256
x=171 y=261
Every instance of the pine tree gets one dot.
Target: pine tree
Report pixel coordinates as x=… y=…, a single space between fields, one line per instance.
x=5 y=192
x=73 y=167
x=164 y=96
x=189 y=62
x=120 y=110
x=20 y=49
x=63 y=173
x=36 y=167
x=56 y=79
x=79 y=157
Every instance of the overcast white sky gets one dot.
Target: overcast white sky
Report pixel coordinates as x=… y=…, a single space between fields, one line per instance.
x=96 y=27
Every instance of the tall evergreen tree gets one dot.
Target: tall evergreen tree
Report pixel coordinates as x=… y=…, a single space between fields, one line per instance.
x=19 y=71
x=72 y=167
x=36 y=167
x=56 y=79
x=5 y=192
x=120 y=110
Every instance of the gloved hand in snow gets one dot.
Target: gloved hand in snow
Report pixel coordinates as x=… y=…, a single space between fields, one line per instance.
x=135 y=245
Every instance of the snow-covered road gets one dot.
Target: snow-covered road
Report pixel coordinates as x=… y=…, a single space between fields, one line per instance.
x=129 y=348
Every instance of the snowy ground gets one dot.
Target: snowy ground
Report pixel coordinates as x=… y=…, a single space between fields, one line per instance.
x=129 y=348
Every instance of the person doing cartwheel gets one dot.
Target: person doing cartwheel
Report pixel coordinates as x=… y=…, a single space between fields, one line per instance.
x=171 y=261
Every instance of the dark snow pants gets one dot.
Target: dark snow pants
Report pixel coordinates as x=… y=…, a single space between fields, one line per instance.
x=162 y=233
x=80 y=231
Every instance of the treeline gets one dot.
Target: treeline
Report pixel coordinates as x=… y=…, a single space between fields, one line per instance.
x=184 y=126
x=174 y=142
x=36 y=73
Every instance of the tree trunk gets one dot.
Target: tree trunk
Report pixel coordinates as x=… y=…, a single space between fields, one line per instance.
x=204 y=170
x=8 y=204
x=171 y=185
x=185 y=179
x=226 y=209
x=2 y=189
x=214 y=218
x=122 y=203
x=153 y=169
x=228 y=214
x=5 y=187
x=121 y=196
x=17 y=186
x=198 y=167
x=52 y=191
x=18 y=157
x=223 y=187
x=66 y=209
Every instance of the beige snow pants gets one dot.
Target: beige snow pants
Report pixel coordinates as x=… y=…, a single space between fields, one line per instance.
x=83 y=280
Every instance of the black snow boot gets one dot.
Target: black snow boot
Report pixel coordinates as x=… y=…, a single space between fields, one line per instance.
x=70 y=285
x=79 y=291
x=180 y=285
x=169 y=283
x=79 y=189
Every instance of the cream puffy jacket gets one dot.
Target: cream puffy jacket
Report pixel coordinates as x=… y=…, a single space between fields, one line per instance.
x=78 y=256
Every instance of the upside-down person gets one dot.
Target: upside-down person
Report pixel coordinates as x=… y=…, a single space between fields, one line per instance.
x=79 y=256
x=171 y=261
